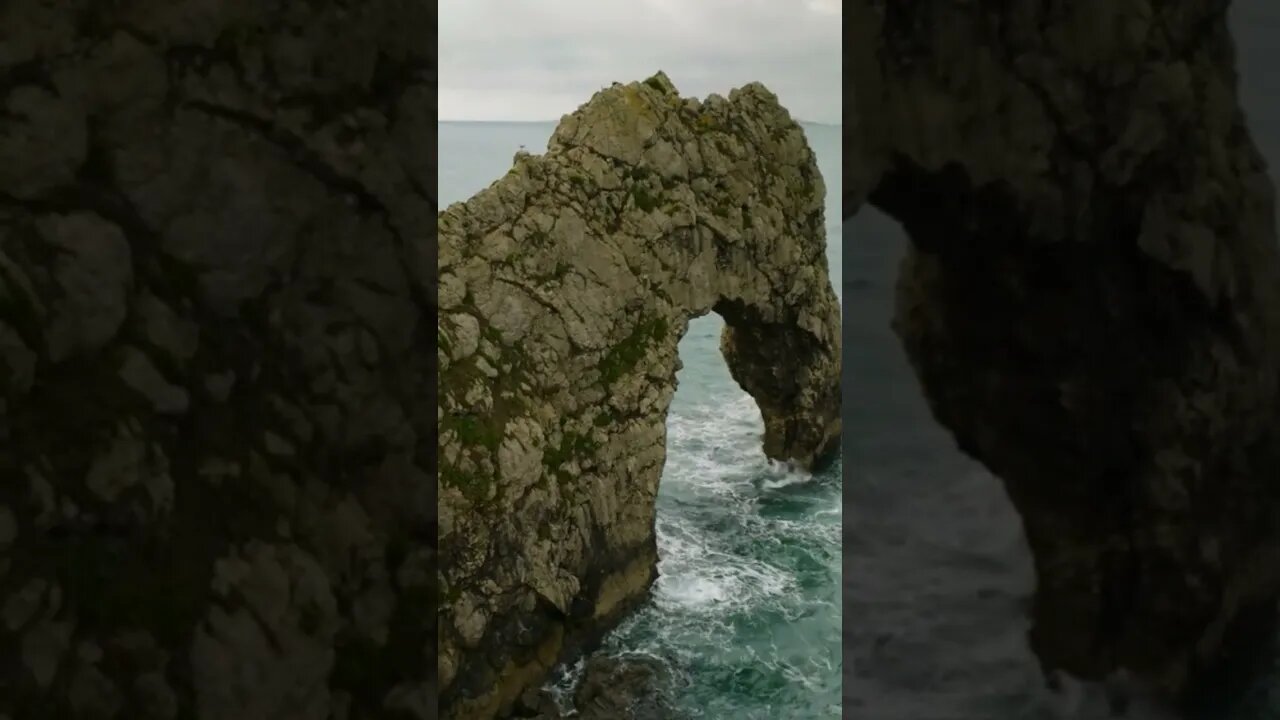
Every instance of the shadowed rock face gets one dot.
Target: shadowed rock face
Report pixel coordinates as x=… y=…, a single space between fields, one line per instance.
x=215 y=380
x=1090 y=303
x=564 y=289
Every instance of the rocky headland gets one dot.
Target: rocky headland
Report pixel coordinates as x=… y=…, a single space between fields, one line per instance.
x=216 y=373
x=1091 y=304
x=564 y=289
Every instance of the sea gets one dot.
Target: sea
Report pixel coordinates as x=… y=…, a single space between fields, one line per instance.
x=938 y=576
x=745 y=614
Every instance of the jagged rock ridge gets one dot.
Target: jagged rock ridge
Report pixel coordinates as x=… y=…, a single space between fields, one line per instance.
x=215 y=372
x=564 y=289
x=1090 y=303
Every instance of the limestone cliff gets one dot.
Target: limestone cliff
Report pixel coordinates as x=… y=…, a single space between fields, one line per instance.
x=564 y=288
x=215 y=371
x=1091 y=302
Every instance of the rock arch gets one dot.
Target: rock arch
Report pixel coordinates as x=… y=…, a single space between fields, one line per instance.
x=1090 y=303
x=564 y=289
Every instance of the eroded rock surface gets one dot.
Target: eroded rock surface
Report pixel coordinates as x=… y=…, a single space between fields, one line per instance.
x=215 y=369
x=564 y=288
x=1090 y=303
x=608 y=688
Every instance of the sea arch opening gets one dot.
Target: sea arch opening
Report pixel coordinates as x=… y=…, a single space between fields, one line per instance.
x=748 y=559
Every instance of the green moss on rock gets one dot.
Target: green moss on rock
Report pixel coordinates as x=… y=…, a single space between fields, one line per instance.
x=623 y=357
x=471 y=485
x=572 y=446
x=475 y=431
x=643 y=199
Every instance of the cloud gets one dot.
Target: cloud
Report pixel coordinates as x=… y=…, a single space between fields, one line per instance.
x=524 y=60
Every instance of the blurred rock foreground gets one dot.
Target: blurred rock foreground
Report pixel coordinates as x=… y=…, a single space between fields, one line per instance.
x=1092 y=305
x=216 y=373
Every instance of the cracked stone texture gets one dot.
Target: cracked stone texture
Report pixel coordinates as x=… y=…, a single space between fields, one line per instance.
x=215 y=373
x=1090 y=303
x=564 y=289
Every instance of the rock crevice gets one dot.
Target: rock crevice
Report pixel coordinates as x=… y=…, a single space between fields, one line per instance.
x=564 y=289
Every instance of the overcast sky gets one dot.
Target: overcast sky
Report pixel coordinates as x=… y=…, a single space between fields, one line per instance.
x=540 y=59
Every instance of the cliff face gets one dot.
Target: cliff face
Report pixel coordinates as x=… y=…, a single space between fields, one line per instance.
x=1090 y=303
x=564 y=289
x=215 y=378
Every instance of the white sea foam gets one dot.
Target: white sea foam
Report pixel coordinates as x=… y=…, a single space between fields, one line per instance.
x=697 y=576
x=564 y=682
x=789 y=477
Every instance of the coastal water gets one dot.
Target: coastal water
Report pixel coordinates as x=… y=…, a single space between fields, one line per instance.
x=746 y=611
x=938 y=577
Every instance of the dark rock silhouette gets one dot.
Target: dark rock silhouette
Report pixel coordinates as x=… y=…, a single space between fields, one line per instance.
x=1090 y=303
x=216 y=378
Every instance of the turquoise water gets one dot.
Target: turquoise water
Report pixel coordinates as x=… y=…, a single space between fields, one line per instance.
x=746 y=610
